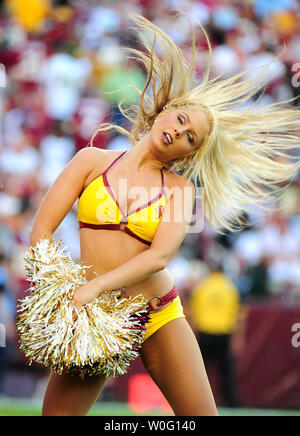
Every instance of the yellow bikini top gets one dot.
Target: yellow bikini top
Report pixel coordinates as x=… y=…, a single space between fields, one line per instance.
x=99 y=209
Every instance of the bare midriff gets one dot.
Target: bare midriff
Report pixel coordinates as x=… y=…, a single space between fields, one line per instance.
x=106 y=250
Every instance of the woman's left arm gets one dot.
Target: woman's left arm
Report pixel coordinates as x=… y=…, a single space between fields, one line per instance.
x=168 y=237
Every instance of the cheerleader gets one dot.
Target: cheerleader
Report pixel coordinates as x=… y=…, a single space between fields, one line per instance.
x=202 y=130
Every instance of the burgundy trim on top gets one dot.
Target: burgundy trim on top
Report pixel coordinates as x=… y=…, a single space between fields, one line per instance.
x=162 y=181
x=147 y=204
x=129 y=232
x=107 y=185
x=162 y=191
x=102 y=173
x=112 y=164
x=83 y=225
x=110 y=191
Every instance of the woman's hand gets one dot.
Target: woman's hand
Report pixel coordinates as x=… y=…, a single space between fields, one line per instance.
x=86 y=294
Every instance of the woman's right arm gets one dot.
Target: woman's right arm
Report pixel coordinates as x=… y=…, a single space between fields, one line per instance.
x=61 y=196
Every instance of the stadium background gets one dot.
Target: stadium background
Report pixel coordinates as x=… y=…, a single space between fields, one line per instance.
x=58 y=61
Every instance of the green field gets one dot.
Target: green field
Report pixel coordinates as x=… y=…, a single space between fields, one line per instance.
x=12 y=407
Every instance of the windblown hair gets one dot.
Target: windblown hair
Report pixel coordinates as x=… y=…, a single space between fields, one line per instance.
x=248 y=152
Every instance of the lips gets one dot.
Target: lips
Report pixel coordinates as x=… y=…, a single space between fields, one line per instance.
x=167 y=138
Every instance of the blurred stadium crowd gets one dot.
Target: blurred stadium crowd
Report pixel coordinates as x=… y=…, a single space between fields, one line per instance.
x=61 y=59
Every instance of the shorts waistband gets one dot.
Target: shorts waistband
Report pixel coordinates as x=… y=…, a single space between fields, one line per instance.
x=161 y=301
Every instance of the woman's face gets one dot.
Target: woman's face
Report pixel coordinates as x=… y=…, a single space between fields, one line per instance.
x=178 y=133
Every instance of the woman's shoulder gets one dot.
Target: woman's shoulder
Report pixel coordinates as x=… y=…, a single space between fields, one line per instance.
x=175 y=184
x=97 y=157
x=90 y=153
x=90 y=150
x=173 y=180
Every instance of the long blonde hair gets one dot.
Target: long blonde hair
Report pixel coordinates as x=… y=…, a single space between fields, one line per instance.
x=246 y=154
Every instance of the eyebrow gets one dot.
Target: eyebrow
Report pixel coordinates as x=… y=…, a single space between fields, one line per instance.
x=188 y=118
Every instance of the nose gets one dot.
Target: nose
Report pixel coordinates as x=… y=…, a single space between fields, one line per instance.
x=177 y=133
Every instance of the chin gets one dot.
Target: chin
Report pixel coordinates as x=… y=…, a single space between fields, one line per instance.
x=157 y=147
x=163 y=154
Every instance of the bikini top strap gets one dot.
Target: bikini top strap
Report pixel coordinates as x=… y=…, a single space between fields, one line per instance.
x=162 y=180
x=115 y=161
x=119 y=157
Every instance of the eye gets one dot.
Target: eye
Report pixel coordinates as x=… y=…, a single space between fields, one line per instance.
x=180 y=119
x=190 y=138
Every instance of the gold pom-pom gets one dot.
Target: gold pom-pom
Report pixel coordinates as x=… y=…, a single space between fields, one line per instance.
x=101 y=338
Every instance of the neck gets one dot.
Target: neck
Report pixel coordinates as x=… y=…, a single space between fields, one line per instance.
x=141 y=156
